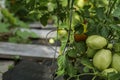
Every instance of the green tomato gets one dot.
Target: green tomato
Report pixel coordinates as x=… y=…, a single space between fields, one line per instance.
x=102 y=59
x=80 y=3
x=96 y=42
x=90 y=52
x=51 y=41
x=116 y=62
x=106 y=2
x=62 y=32
x=109 y=70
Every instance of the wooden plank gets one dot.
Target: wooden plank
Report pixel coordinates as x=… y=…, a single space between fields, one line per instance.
x=38 y=25
x=45 y=33
x=27 y=50
x=42 y=33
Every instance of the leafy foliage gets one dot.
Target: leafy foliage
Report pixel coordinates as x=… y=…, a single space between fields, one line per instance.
x=99 y=17
x=4 y=27
x=83 y=17
x=10 y=28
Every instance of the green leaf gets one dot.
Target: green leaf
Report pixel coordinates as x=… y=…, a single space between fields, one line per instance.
x=114 y=76
x=71 y=69
x=115 y=27
x=63 y=44
x=61 y=61
x=33 y=35
x=86 y=11
x=63 y=25
x=86 y=62
x=13 y=39
x=100 y=13
x=104 y=32
x=26 y=34
x=78 y=28
x=44 y=19
x=23 y=34
x=72 y=53
x=21 y=24
x=80 y=47
x=116 y=12
x=4 y=27
x=60 y=72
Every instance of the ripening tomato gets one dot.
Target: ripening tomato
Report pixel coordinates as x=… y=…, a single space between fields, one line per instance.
x=80 y=37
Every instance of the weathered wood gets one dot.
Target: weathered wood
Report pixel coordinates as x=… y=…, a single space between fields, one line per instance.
x=44 y=41
x=27 y=50
x=43 y=33
x=38 y=25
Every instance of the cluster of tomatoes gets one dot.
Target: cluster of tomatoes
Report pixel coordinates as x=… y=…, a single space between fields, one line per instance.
x=103 y=56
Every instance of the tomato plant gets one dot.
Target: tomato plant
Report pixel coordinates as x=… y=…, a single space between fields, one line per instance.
x=93 y=32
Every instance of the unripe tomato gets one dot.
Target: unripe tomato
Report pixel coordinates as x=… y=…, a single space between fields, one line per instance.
x=96 y=42
x=116 y=62
x=91 y=52
x=62 y=32
x=80 y=37
x=80 y=3
x=102 y=59
x=51 y=41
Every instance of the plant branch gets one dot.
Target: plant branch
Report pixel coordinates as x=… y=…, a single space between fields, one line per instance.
x=70 y=24
x=94 y=77
x=83 y=74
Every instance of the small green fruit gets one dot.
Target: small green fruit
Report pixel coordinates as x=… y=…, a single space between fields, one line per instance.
x=51 y=41
x=62 y=32
x=90 y=52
